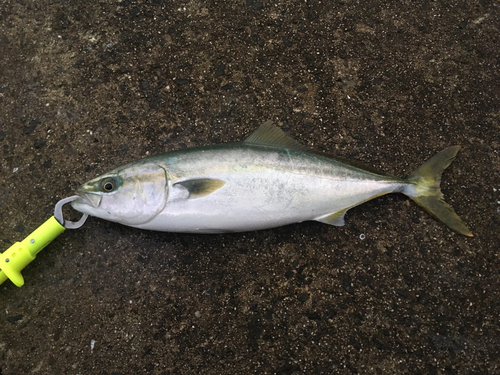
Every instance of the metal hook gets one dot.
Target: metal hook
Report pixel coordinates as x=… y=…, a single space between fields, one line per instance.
x=59 y=215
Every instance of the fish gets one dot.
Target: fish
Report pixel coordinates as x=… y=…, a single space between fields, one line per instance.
x=268 y=180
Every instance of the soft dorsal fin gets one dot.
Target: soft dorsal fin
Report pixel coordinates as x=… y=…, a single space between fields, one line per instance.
x=344 y=160
x=201 y=187
x=269 y=135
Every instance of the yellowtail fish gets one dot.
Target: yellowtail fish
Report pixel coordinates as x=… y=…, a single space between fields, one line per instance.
x=266 y=181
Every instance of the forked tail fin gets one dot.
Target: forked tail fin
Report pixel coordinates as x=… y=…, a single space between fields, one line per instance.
x=427 y=194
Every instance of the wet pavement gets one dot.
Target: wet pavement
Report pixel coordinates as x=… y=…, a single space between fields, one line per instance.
x=87 y=86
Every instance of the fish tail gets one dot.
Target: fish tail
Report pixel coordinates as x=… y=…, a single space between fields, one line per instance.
x=424 y=189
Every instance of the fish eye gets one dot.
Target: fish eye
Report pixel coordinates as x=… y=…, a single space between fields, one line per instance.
x=108 y=185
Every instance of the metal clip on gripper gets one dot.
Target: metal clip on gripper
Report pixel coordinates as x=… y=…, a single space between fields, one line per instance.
x=19 y=255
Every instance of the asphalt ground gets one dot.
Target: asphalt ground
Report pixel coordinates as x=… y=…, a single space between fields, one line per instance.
x=86 y=86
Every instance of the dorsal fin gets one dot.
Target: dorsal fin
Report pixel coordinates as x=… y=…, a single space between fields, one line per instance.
x=269 y=135
x=344 y=160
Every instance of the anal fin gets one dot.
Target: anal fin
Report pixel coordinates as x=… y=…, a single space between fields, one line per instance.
x=337 y=218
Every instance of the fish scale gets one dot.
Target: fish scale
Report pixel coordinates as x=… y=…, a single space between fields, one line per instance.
x=268 y=180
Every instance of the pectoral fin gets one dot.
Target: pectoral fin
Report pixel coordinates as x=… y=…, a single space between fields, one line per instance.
x=337 y=218
x=201 y=187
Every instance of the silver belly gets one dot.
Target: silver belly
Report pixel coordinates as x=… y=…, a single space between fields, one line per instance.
x=265 y=200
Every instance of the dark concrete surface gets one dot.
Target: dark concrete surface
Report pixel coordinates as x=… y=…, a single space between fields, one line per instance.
x=86 y=86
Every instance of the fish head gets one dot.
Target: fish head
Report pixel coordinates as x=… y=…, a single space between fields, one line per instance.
x=130 y=195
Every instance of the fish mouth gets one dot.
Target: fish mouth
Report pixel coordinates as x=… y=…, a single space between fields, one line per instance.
x=89 y=199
